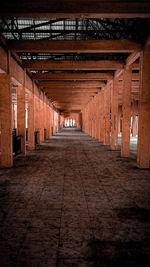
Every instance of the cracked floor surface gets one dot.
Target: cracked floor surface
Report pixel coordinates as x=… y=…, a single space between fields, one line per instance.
x=73 y=202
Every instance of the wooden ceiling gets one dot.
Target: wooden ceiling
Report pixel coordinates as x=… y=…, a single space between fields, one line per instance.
x=71 y=72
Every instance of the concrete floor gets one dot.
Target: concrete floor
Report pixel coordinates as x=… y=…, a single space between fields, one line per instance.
x=73 y=202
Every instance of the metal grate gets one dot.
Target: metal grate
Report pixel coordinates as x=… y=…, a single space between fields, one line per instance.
x=74 y=29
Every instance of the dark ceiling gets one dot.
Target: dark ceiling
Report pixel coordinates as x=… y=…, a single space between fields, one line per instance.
x=136 y=29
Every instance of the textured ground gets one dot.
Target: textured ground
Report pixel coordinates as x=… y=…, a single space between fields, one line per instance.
x=73 y=202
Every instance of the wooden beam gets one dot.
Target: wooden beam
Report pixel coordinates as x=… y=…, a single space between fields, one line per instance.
x=77 y=46
x=134 y=83
x=72 y=96
x=135 y=66
x=71 y=90
x=135 y=76
x=70 y=84
x=133 y=57
x=66 y=101
x=76 y=9
x=73 y=65
x=73 y=76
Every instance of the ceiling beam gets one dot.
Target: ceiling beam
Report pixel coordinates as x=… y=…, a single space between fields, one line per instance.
x=73 y=65
x=135 y=76
x=79 y=76
x=77 y=46
x=72 y=76
x=71 y=89
x=70 y=84
x=76 y=9
x=133 y=57
x=134 y=83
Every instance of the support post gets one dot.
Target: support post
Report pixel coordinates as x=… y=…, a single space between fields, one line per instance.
x=134 y=120
x=143 y=153
x=6 y=121
x=114 y=115
x=102 y=117
x=21 y=118
x=31 y=143
x=107 y=114
x=41 y=120
x=134 y=125
x=126 y=111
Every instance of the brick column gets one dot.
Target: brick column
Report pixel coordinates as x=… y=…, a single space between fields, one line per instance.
x=99 y=112
x=97 y=118
x=47 y=121
x=126 y=111
x=114 y=115
x=119 y=118
x=52 y=121
x=50 y=124
x=107 y=114
x=134 y=120
x=21 y=118
x=44 y=115
x=41 y=120
x=134 y=125
x=37 y=119
x=6 y=121
x=99 y=115
x=90 y=120
x=93 y=117
x=102 y=116
x=143 y=160
x=31 y=143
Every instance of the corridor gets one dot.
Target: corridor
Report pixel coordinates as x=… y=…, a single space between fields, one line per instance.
x=73 y=202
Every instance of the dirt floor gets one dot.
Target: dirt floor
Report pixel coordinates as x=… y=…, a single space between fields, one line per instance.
x=73 y=202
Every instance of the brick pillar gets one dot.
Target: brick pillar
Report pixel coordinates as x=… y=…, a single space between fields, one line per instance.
x=94 y=119
x=114 y=115
x=119 y=123
x=21 y=118
x=97 y=118
x=45 y=119
x=107 y=114
x=90 y=126
x=134 y=120
x=99 y=113
x=102 y=116
x=91 y=116
x=6 y=121
x=37 y=119
x=126 y=111
x=47 y=122
x=52 y=121
x=143 y=160
x=134 y=125
x=41 y=120
x=58 y=121
x=119 y=118
x=31 y=144
x=50 y=126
